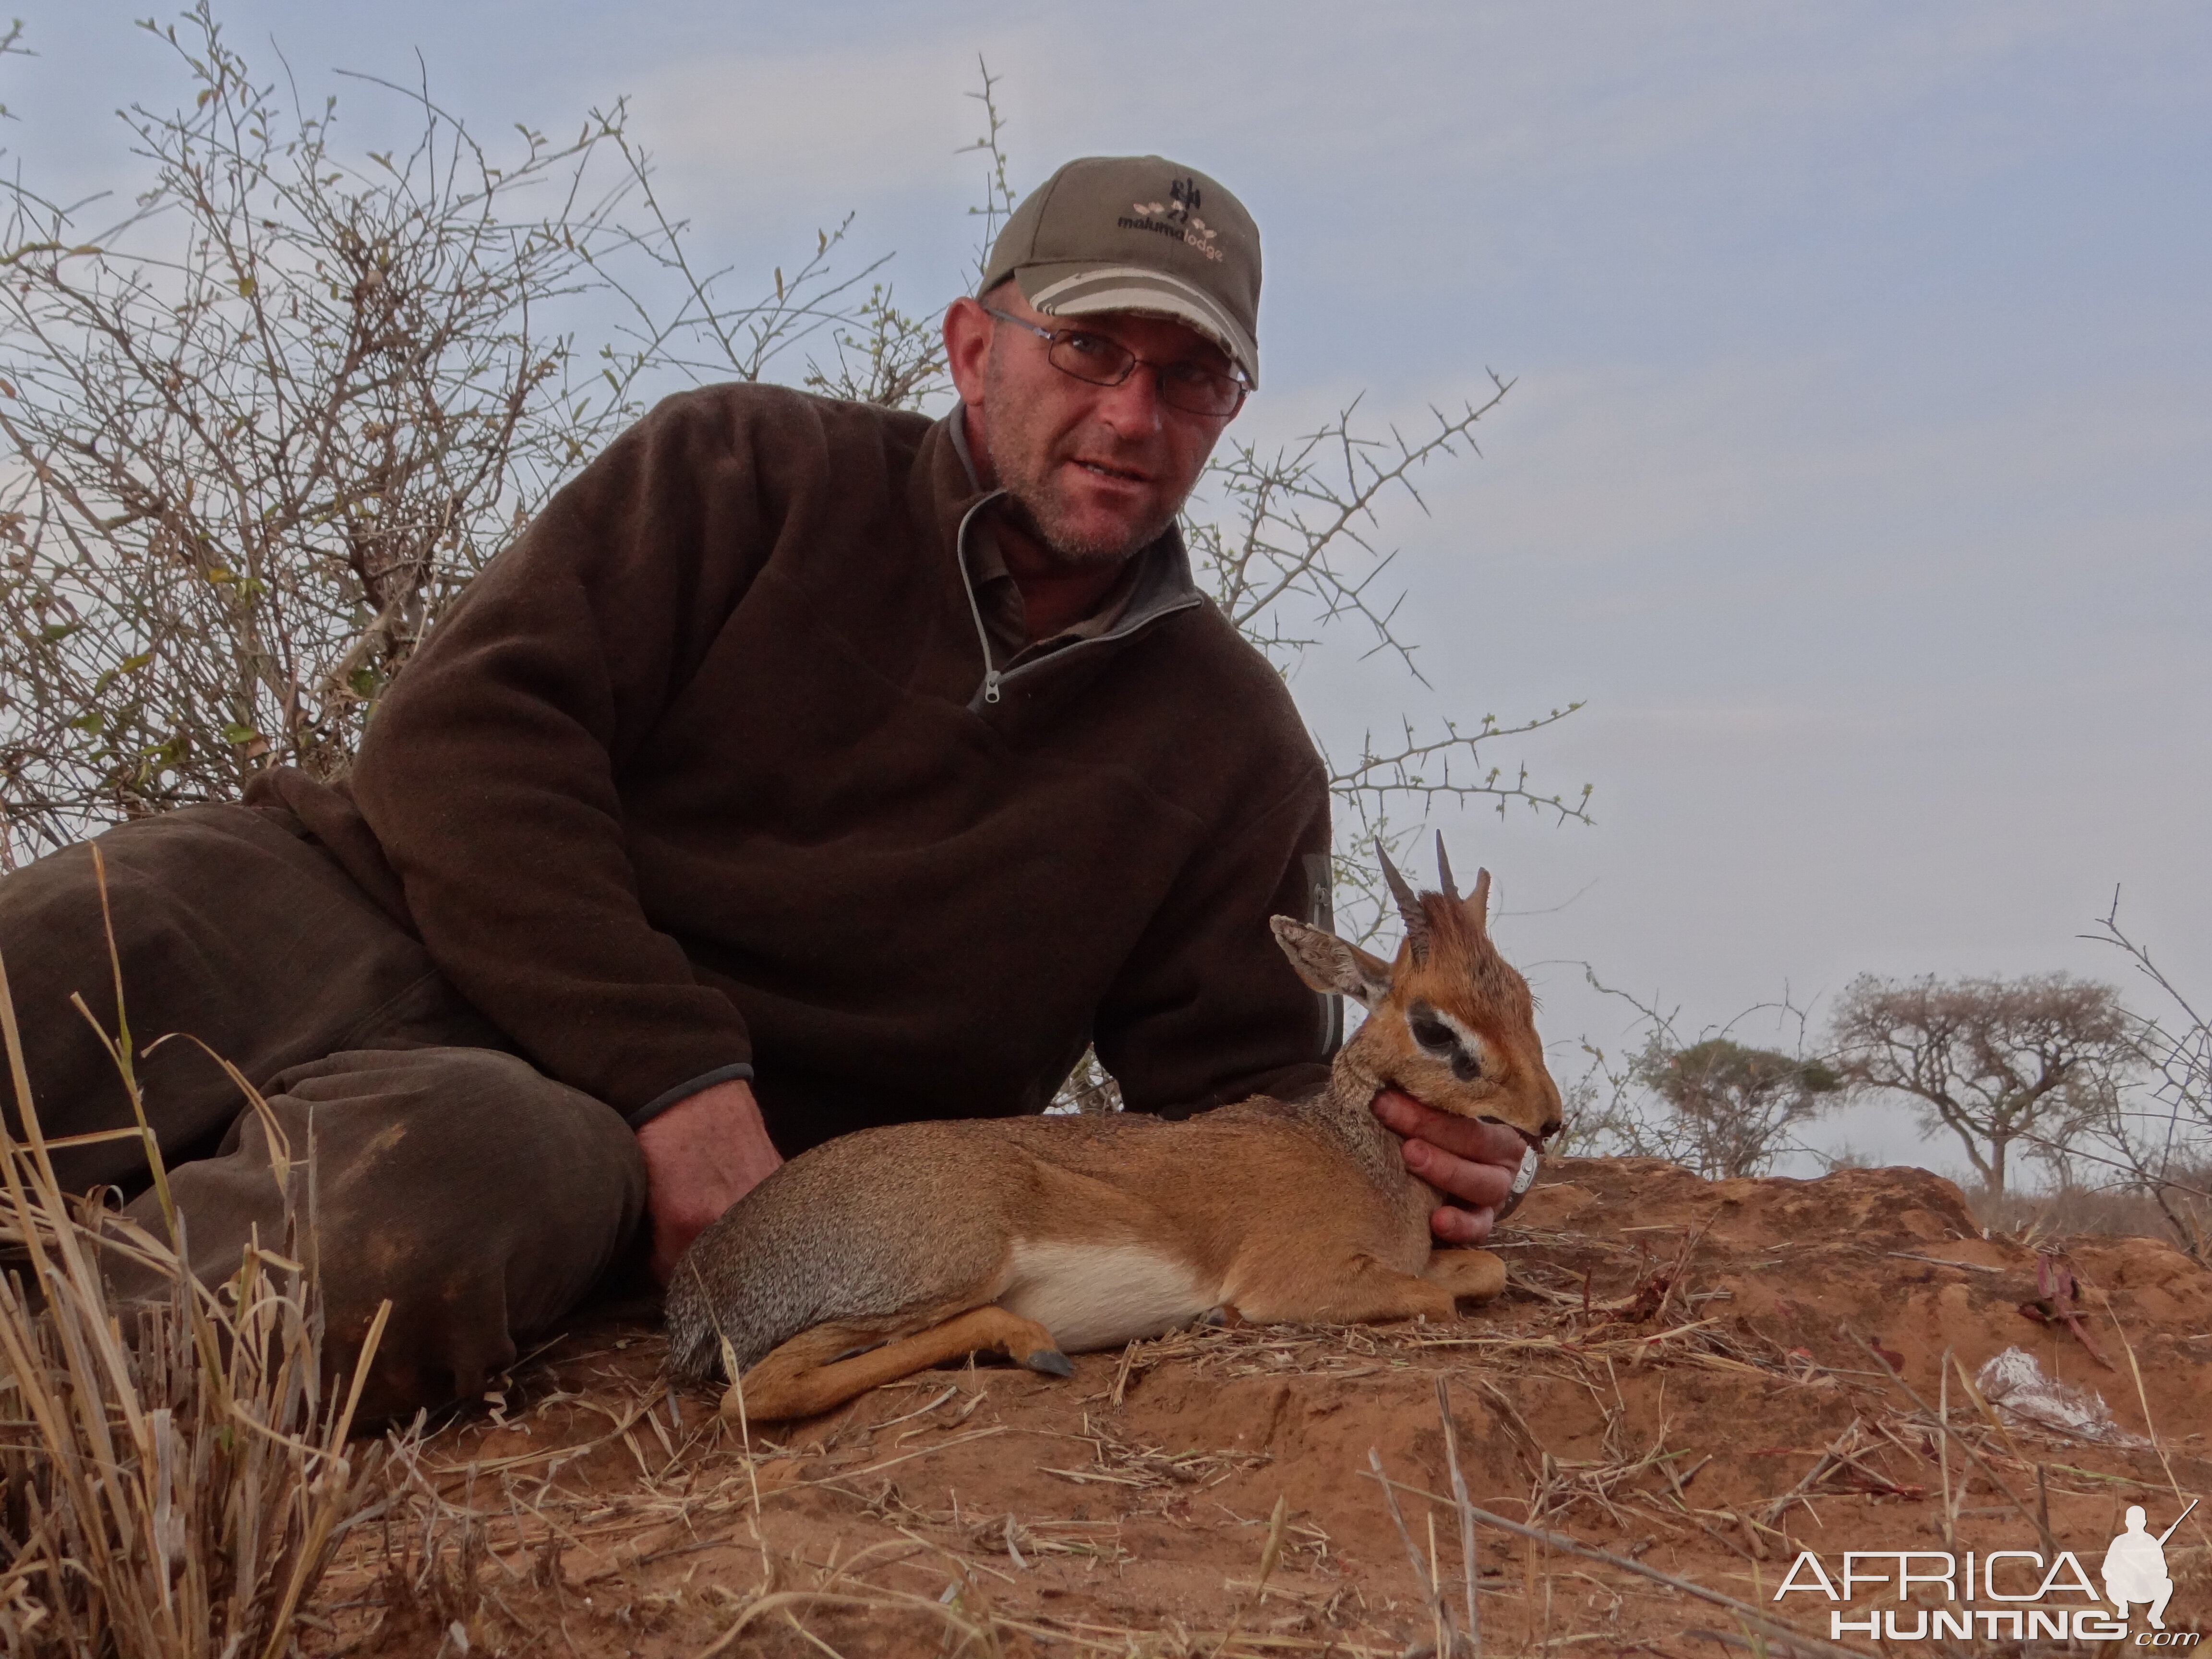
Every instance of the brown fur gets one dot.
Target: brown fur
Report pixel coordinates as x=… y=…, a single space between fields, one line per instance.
x=1129 y=1226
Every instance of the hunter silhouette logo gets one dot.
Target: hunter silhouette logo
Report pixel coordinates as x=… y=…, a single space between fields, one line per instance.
x=2134 y=1566
x=1177 y=216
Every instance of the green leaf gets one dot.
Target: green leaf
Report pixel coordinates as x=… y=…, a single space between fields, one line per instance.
x=234 y=732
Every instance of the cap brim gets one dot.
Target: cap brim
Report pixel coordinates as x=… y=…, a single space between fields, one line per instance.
x=1085 y=289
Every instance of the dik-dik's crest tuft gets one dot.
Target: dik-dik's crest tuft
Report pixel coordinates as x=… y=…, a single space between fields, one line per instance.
x=1450 y=1021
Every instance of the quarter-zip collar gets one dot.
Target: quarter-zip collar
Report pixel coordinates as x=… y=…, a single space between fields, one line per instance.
x=1164 y=584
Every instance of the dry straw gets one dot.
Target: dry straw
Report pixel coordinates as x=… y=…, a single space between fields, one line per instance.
x=174 y=1475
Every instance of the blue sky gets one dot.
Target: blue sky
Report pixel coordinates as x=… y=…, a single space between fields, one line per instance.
x=1856 y=473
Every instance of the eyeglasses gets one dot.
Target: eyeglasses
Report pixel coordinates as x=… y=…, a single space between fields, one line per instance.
x=1101 y=361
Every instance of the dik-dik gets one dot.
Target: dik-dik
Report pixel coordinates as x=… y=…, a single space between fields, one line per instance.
x=883 y=1253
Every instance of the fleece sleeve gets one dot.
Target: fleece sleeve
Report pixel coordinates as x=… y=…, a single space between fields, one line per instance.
x=1208 y=1010
x=488 y=774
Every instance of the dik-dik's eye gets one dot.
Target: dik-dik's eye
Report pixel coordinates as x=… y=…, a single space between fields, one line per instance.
x=1438 y=1039
x=1432 y=1033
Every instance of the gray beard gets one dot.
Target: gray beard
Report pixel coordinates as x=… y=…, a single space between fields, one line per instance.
x=1074 y=553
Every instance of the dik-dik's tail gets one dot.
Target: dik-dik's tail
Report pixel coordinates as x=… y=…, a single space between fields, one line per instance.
x=863 y=1228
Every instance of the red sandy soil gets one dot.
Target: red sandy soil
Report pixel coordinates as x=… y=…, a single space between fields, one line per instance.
x=1671 y=1361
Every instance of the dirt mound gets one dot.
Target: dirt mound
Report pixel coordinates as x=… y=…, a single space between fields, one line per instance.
x=1702 y=1379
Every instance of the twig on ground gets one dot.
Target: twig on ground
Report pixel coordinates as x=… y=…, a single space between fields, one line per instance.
x=1773 y=1628
x=1431 y=1590
x=1466 y=1511
x=1980 y=1462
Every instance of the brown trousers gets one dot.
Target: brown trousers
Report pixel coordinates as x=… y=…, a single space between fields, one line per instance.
x=485 y=1199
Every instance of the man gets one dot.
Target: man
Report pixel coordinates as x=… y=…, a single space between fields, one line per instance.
x=804 y=766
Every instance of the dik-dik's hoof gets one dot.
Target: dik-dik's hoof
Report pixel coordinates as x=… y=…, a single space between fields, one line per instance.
x=1050 y=1361
x=1222 y=1318
x=1470 y=1275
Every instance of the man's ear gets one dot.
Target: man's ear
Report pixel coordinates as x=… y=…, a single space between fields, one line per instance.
x=967 y=348
x=1330 y=965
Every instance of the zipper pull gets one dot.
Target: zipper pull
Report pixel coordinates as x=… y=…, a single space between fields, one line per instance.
x=990 y=677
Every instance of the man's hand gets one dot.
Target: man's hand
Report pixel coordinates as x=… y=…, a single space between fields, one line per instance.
x=1472 y=1162
x=701 y=1155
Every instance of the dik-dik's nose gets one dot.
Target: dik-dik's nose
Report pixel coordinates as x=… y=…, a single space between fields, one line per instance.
x=1552 y=1127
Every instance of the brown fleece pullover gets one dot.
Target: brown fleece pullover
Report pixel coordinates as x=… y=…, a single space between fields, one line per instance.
x=709 y=775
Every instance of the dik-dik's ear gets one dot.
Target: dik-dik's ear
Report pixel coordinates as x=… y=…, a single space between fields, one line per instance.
x=1477 y=903
x=1330 y=965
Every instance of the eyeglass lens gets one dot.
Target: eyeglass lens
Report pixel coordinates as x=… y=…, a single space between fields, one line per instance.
x=1185 y=387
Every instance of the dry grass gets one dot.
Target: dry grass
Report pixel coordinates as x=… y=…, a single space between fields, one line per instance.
x=174 y=1476
x=2074 y=1211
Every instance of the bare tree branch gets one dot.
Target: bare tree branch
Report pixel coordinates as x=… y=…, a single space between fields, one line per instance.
x=2163 y=1146
x=269 y=420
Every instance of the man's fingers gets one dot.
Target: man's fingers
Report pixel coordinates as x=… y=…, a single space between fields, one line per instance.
x=1484 y=1185
x=1452 y=1225
x=1463 y=1137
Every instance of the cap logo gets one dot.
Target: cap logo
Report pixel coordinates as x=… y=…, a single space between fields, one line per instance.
x=1178 y=217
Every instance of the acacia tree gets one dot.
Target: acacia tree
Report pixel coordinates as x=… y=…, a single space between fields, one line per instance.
x=1734 y=1109
x=1990 y=1060
x=1716 y=1105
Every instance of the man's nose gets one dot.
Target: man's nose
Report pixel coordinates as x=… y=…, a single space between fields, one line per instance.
x=1133 y=408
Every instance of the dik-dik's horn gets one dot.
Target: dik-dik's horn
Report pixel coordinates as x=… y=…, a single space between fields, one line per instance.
x=1443 y=869
x=1409 y=907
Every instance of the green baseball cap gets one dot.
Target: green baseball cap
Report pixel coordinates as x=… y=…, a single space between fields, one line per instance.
x=1138 y=233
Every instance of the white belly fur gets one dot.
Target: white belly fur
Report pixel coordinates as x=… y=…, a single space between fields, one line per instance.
x=1100 y=1295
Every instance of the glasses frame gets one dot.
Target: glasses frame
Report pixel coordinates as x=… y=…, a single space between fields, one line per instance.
x=1053 y=336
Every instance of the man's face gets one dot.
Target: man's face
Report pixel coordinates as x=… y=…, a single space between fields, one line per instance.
x=1100 y=472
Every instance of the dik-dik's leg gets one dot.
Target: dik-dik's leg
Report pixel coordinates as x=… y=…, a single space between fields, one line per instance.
x=1470 y=1275
x=804 y=1377
x=1355 y=1292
